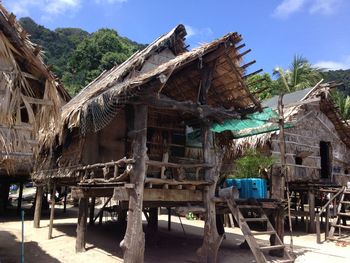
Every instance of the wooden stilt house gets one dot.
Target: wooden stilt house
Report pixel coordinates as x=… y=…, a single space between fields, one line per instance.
x=30 y=102
x=317 y=149
x=124 y=136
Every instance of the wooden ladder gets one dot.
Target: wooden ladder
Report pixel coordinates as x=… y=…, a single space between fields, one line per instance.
x=258 y=251
x=336 y=224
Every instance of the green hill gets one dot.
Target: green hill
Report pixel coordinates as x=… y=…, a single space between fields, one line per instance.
x=78 y=56
x=342 y=76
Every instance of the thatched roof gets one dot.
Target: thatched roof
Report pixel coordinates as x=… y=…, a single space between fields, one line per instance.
x=320 y=91
x=98 y=103
x=30 y=97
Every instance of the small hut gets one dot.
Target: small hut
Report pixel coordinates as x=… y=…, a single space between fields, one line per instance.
x=317 y=147
x=125 y=136
x=30 y=102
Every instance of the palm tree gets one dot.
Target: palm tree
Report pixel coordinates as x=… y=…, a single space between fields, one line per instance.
x=343 y=103
x=299 y=75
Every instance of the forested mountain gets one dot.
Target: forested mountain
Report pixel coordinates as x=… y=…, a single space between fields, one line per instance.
x=342 y=76
x=77 y=56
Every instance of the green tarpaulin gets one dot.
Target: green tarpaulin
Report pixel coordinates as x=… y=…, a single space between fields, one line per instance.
x=255 y=123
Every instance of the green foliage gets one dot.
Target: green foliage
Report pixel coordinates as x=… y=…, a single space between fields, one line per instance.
x=252 y=164
x=79 y=57
x=343 y=103
x=261 y=82
x=298 y=76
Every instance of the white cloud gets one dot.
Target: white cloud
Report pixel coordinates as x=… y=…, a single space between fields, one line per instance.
x=288 y=7
x=333 y=65
x=110 y=1
x=325 y=7
x=47 y=7
x=199 y=32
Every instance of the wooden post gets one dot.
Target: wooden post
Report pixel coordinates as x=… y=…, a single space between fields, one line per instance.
x=153 y=219
x=133 y=244
x=20 y=195
x=169 y=219
x=38 y=205
x=207 y=253
x=311 y=198
x=65 y=199
x=4 y=195
x=81 y=226
x=52 y=212
x=92 y=211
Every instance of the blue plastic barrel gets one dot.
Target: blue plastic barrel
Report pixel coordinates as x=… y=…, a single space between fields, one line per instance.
x=249 y=187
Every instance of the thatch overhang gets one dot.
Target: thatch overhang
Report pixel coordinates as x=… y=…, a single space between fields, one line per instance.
x=179 y=79
x=30 y=97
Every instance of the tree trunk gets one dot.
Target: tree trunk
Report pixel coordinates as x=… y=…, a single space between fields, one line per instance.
x=208 y=252
x=38 y=205
x=133 y=244
x=81 y=226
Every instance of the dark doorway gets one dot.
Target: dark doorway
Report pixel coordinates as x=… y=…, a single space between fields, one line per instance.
x=326 y=167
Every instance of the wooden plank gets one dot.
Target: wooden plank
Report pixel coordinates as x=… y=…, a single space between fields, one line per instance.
x=32 y=100
x=153 y=194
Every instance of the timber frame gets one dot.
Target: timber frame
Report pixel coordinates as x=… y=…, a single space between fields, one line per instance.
x=30 y=104
x=140 y=114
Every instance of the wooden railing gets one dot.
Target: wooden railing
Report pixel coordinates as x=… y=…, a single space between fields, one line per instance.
x=319 y=214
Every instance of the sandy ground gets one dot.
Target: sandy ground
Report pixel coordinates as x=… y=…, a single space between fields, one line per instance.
x=174 y=246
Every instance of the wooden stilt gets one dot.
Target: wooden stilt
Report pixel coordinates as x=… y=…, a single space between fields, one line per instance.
x=133 y=244
x=20 y=195
x=153 y=219
x=65 y=199
x=52 y=212
x=207 y=253
x=81 y=226
x=4 y=195
x=311 y=198
x=169 y=218
x=92 y=211
x=38 y=205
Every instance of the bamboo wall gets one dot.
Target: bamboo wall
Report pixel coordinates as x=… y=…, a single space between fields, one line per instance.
x=303 y=141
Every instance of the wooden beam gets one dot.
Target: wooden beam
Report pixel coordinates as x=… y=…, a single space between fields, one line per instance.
x=32 y=100
x=38 y=205
x=133 y=244
x=202 y=111
x=206 y=78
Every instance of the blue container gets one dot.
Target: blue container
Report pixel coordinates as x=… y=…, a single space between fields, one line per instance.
x=249 y=187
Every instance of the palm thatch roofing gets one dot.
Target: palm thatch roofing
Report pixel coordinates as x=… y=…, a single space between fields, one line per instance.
x=30 y=97
x=178 y=77
x=319 y=94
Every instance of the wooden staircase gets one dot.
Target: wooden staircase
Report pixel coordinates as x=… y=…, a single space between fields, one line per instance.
x=343 y=211
x=256 y=214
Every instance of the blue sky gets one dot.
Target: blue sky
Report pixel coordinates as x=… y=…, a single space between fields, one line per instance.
x=275 y=30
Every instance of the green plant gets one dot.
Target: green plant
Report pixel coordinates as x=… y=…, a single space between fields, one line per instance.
x=252 y=164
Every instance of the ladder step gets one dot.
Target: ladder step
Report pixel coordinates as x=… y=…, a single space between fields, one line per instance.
x=268 y=248
x=264 y=233
x=345 y=202
x=284 y=261
x=344 y=214
x=255 y=219
x=343 y=227
x=248 y=206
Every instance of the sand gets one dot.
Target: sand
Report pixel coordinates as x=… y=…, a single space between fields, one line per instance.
x=164 y=246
